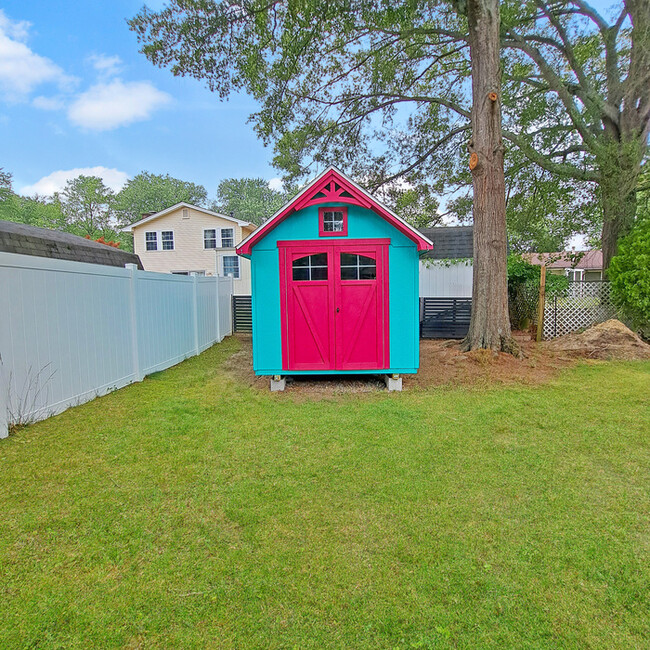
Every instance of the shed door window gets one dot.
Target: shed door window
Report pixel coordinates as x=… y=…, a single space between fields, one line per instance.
x=167 y=237
x=358 y=267
x=151 y=241
x=231 y=266
x=310 y=267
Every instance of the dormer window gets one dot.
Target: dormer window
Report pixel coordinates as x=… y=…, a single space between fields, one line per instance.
x=333 y=222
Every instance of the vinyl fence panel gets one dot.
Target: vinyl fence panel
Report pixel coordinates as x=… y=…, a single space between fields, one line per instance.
x=70 y=331
x=440 y=281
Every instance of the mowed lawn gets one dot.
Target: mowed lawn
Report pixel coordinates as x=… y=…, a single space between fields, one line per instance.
x=192 y=511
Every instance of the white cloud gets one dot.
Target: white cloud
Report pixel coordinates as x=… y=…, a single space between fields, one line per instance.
x=21 y=69
x=106 y=106
x=276 y=184
x=55 y=182
x=107 y=66
x=48 y=103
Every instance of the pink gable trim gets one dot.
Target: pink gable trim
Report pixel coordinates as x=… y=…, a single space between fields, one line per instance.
x=347 y=192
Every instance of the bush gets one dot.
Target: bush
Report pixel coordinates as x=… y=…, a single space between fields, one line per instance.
x=629 y=273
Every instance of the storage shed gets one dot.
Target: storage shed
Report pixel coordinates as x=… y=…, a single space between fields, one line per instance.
x=335 y=285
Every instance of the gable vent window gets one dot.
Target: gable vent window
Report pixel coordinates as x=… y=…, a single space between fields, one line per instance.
x=186 y=213
x=167 y=238
x=151 y=241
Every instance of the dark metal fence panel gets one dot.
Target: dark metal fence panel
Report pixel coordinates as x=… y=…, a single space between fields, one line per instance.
x=444 y=318
x=242 y=314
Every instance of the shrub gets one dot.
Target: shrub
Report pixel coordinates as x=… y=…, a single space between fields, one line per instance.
x=629 y=273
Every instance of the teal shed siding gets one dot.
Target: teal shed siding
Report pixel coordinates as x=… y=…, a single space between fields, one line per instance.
x=403 y=289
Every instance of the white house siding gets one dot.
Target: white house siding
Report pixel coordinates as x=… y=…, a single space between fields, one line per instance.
x=439 y=281
x=189 y=253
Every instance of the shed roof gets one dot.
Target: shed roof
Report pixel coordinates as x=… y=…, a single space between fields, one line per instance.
x=41 y=242
x=450 y=242
x=335 y=187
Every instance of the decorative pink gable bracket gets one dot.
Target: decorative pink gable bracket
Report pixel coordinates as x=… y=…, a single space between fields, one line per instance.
x=332 y=186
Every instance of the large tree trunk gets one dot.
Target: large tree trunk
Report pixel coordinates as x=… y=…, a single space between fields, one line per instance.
x=490 y=324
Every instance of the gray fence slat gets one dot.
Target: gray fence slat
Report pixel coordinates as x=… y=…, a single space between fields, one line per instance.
x=242 y=314
x=444 y=318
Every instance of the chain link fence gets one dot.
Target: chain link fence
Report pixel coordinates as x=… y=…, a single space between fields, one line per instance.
x=571 y=308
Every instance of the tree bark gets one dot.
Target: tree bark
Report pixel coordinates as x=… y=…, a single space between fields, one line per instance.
x=490 y=323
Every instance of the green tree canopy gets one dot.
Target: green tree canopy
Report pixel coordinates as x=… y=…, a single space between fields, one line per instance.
x=382 y=89
x=147 y=192
x=248 y=199
x=87 y=205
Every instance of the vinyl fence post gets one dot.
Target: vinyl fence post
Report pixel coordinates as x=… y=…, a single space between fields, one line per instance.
x=542 y=304
x=195 y=311
x=137 y=375
x=4 y=405
x=217 y=310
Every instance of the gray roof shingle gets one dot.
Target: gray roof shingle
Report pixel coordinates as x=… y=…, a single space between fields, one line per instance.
x=450 y=242
x=41 y=242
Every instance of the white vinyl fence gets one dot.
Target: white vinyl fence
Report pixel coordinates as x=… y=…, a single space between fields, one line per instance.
x=71 y=331
x=441 y=280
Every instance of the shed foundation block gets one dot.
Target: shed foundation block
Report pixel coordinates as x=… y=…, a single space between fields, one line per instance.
x=278 y=383
x=393 y=382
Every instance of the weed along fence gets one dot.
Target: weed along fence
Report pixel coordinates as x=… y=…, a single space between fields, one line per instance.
x=71 y=331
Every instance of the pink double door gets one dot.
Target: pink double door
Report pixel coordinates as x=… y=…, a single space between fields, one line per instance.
x=334 y=305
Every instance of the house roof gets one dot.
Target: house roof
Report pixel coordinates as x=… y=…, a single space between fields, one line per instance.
x=567 y=259
x=41 y=242
x=450 y=242
x=333 y=186
x=162 y=213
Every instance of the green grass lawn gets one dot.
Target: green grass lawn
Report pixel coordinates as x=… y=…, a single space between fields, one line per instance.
x=190 y=511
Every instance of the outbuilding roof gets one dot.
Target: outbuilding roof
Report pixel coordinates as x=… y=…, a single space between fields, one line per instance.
x=41 y=242
x=592 y=260
x=450 y=242
x=333 y=186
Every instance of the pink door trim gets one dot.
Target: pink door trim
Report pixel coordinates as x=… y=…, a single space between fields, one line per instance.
x=291 y=297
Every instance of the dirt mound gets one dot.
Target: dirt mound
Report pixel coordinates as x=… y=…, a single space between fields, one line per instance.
x=609 y=341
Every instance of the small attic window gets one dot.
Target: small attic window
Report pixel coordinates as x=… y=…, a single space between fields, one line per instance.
x=333 y=222
x=186 y=213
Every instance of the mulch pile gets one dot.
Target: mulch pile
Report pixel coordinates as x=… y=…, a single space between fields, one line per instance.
x=608 y=341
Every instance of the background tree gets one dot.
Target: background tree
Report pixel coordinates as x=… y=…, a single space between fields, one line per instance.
x=87 y=205
x=382 y=89
x=147 y=192
x=248 y=199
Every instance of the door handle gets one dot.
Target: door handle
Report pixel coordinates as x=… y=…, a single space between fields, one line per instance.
x=337 y=310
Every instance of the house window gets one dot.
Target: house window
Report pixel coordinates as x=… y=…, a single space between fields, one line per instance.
x=210 y=238
x=227 y=237
x=167 y=238
x=575 y=275
x=333 y=222
x=231 y=266
x=151 y=241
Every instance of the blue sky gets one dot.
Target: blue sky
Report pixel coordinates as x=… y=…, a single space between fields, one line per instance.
x=75 y=93
x=76 y=96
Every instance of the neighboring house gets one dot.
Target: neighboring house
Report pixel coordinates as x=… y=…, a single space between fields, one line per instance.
x=187 y=239
x=575 y=265
x=446 y=271
x=335 y=284
x=41 y=242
